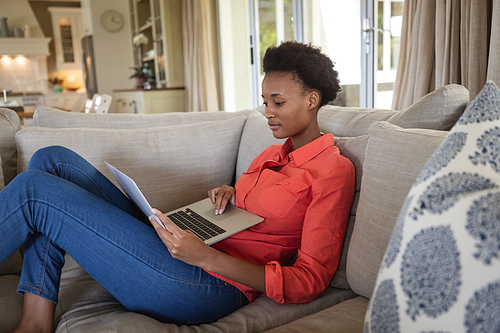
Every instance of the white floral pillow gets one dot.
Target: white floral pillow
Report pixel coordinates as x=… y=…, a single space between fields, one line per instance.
x=441 y=270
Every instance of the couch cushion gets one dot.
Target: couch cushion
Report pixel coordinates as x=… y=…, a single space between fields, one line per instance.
x=437 y=110
x=256 y=137
x=2 y=182
x=155 y=158
x=441 y=269
x=394 y=158
x=11 y=303
x=354 y=149
x=49 y=117
x=346 y=317
x=9 y=125
x=84 y=306
x=12 y=265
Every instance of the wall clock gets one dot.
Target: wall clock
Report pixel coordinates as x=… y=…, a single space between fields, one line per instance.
x=112 y=20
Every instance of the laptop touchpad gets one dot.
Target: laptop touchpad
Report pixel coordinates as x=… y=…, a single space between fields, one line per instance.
x=228 y=212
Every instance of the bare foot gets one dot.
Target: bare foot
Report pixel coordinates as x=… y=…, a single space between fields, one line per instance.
x=38 y=315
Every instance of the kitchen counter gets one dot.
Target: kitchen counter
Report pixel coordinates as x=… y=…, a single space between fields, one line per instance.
x=146 y=90
x=143 y=101
x=67 y=100
x=22 y=93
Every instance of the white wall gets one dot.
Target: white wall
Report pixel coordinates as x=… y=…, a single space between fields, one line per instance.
x=235 y=54
x=112 y=50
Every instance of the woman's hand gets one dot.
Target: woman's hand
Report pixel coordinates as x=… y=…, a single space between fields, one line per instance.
x=182 y=244
x=186 y=246
x=220 y=196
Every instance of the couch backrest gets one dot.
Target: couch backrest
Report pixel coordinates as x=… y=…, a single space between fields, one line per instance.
x=438 y=110
x=50 y=117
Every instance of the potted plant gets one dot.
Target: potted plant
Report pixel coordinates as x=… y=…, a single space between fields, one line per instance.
x=140 y=72
x=140 y=77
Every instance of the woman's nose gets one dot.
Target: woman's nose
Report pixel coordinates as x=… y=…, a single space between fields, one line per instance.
x=269 y=113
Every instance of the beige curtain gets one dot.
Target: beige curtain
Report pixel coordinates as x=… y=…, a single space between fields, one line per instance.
x=200 y=68
x=447 y=41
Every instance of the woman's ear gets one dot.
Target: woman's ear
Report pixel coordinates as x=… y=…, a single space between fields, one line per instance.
x=314 y=99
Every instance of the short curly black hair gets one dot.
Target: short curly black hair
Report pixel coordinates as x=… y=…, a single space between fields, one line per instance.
x=311 y=66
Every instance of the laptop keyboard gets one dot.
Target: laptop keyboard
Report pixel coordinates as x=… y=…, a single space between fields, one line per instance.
x=201 y=227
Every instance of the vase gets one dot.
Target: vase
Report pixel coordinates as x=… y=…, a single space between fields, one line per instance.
x=4 y=29
x=27 y=32
x=139 y=81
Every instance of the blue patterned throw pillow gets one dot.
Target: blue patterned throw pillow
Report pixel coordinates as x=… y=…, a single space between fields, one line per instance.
x=441 y=270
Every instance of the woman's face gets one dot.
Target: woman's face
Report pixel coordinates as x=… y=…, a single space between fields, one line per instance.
x=290 y=111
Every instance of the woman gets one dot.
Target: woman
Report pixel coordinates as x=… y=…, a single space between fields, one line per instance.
x=303 y=189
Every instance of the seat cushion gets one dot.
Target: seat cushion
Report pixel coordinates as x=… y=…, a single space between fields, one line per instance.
x=394 y=158
x=346 y=317
x=12 y=265
x=84 y=306
x=11 y=303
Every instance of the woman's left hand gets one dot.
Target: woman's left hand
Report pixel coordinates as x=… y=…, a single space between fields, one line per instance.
x=182 y=244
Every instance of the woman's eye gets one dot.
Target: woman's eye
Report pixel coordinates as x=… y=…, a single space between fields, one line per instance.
x=278 y=103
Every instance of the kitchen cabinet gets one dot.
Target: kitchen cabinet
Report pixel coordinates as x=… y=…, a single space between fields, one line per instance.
x=70 y=101
x=67 y=26
x=149 y=101
x=161 y=22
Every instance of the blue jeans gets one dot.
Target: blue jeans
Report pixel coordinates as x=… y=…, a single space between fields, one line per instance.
x=62 y=204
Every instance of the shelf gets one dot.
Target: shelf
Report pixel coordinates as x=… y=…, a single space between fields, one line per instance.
x=145 y=26
x=164 y=21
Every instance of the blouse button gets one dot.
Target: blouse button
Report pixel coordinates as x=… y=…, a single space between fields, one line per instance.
x=286 y=184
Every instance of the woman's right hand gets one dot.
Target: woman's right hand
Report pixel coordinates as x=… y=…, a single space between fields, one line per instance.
x=220 y=196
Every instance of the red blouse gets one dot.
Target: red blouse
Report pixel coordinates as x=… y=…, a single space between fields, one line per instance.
x=305 y=197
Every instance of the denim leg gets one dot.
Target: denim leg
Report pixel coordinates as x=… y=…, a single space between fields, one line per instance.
x=65 y=163
x=124 y=255
x=42 y=260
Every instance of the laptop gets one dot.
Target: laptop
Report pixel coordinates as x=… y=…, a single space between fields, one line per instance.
x=199 y=217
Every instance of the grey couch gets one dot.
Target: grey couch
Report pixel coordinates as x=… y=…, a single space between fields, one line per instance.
x=196 y=151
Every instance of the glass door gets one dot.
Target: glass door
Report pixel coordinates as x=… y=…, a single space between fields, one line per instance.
x=158 y=42
x=360 y=36
x=334 y=25
x=272 y=24
x=389 y=22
